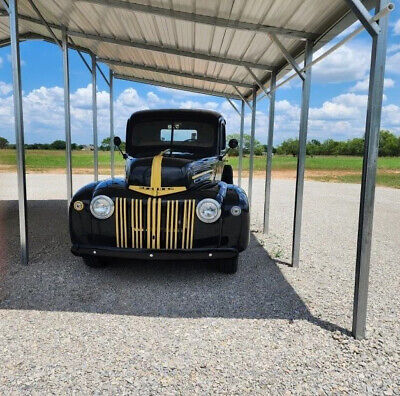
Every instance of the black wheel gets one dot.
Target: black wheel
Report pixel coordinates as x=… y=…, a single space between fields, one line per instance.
x=228 y=266
x=94 y=262
x=227 y=174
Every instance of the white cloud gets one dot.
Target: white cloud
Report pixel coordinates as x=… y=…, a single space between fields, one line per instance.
x=341 y=117
x=364 y=84
x=9 y=59
x=396 y=28
x=348 y=63
x=393 y=48
x=5 y=88
x=1 y=61
x=393 y=63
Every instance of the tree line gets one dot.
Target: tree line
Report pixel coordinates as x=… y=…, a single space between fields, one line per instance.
x=58 y=145
x=389 y=146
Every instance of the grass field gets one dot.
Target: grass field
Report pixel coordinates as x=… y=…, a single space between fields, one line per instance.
x=342 y=169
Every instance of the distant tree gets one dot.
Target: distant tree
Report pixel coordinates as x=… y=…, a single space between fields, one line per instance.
x=58 y=145
x=106 y=144
x=388 y=144
x=74 y=146
x=288 y=147
x=313 y=147
x=3 y=143
x=354 y=147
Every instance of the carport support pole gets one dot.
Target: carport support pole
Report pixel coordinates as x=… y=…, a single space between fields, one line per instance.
x=301 y=159
x=252 y=134
x=94 y=112
x=67 y=114
x=241 y=143
x=19 y=130
x=374 y=110
x=111 y=79
x=270 y=143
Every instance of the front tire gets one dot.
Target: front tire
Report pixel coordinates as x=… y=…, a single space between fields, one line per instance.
x=94 y=262
x=228 y=266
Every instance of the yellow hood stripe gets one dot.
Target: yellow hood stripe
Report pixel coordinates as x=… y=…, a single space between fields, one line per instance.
x=155 y=180
x=155 y=189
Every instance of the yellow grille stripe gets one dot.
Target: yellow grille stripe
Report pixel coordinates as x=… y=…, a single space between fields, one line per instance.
x=192 y=224
x=140 y=224
x=125 y=225
x=116 y=222
x=153 y=225
x=184 y=223
x=148 y=221
x=176 y=224
x=167 y=226
x=133 y=222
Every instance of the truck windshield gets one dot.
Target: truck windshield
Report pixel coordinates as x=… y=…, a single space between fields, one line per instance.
x=176 y=135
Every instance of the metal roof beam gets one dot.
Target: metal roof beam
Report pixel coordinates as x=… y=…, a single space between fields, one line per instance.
x=41 y=17
x=151 y=47
x=173 y=86
x=171 y=72
x=170 y=50
x=242 y=97
x=287 y=55
x=203 y=19
x=364 y=16
x=102 y=74
x=5 y=5
x=258 y=82
x=233 y=105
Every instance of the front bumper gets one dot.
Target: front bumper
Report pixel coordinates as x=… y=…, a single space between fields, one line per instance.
x=148 y=254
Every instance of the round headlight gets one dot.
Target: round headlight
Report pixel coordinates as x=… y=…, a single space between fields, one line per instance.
x=102 y=207
x=208 y=210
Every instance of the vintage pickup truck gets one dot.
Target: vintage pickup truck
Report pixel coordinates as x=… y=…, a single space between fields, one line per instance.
x=177 y=200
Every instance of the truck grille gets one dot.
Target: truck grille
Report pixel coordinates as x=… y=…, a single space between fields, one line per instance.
x=154 y=223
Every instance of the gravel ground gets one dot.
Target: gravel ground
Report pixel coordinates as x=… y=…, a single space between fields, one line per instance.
x=183 y=328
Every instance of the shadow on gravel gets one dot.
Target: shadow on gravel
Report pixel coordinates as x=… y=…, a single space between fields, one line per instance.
x=55 y=280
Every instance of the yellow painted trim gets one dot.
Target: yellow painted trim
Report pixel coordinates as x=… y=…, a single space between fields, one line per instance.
x=155 y=180
x=148 y=225
x=116 y=214
x=140 y=223
x=184 y=223
x=157 y=192
x=176 y=224
x=192 y=223
x=167 y=225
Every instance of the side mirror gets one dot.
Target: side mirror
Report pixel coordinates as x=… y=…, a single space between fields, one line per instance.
x=117 y=141
x=233 y=143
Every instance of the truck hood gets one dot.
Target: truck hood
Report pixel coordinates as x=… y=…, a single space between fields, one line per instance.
x=161 y=175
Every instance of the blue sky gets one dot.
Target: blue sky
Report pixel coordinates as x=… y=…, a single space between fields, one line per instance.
x=338 y=97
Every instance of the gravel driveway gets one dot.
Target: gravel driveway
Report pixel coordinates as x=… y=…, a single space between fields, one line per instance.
x=182 y=327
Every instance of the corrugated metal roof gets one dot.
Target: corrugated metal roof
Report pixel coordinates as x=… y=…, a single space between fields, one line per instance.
x=168 y=37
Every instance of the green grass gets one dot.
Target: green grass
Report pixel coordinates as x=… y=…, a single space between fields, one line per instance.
x=346 y=163
x=55 y=159
x=388 y=167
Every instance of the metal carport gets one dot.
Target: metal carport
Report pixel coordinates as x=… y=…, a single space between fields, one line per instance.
x=236 y=49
